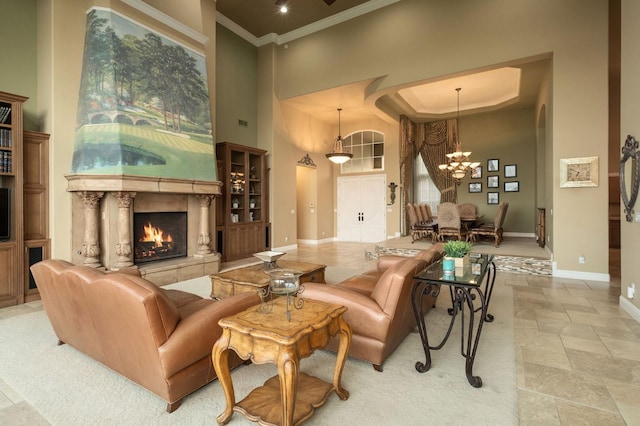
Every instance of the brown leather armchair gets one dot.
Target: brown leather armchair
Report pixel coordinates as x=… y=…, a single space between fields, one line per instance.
x=160 y=339
x=378 y=302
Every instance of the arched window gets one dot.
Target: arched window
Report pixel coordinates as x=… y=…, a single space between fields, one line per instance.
x=367 y=147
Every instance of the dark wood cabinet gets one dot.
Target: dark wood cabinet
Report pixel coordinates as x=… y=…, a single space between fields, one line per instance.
x=11 y=178
x=36 y=206
x=242 y=212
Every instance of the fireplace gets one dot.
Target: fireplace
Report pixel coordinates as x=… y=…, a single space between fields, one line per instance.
x=159 y=236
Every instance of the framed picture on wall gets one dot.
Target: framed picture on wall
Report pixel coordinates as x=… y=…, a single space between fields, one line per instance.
x=493 y=165
x=476 y=173
x=475 y=187
x=510 y=171
x=493 y=182
x=512 y=186
x=493 y=197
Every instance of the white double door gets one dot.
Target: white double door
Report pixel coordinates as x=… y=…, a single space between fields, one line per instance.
x=362 y=210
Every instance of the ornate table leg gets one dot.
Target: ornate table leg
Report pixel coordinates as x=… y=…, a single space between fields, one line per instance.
x=343 y=350
x=422 y=288
x=220 y=358
x=488 y=289
x=472 y=342
x=288 y=371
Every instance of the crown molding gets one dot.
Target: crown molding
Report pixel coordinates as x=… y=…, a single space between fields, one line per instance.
x=159 y=16
x=322 y=24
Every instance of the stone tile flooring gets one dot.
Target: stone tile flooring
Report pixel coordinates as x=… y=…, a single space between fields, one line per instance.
x=577 y=352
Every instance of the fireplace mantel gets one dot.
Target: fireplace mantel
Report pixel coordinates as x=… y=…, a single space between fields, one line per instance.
x=102 y=216
x=129 y=183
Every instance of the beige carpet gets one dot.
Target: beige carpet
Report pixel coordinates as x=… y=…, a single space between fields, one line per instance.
x=69 y=388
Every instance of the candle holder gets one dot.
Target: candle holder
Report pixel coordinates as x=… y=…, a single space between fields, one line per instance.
x=283 y=282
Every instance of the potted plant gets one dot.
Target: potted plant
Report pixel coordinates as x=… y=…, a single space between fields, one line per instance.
x=456 y=254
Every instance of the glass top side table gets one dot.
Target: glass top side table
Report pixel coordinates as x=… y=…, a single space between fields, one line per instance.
x=467 y=298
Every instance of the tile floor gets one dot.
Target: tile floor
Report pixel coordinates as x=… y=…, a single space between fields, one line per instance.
x=577 y=352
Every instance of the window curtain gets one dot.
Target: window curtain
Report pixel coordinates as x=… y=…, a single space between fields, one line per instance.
x=437 y=139
x=431 y=141
x=408 y=152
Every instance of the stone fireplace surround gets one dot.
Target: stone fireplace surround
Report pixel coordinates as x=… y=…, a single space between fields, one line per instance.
x=102 y=217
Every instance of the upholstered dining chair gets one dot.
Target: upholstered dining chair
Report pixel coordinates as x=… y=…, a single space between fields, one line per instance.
x=449 y=223
x=492 y=229
x=418 y=228
x=468 y=210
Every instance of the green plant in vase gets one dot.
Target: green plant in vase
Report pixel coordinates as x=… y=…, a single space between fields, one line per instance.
x=456 y=248
x=456 y=255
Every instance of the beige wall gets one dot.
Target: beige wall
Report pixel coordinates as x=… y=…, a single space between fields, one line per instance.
x=630 y=125
x=414 y=40
x=418 y=40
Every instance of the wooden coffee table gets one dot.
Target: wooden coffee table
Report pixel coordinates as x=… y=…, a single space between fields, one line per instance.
x=254 y=277
x=269 y=337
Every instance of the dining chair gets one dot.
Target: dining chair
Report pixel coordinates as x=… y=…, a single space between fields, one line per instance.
x=492 y=229
x=449 y=223
x=418 y=228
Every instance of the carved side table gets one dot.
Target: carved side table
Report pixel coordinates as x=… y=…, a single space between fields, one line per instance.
x=269 y=337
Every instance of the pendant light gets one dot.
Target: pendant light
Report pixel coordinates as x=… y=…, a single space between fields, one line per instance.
x=458 y=163
x=338 y=155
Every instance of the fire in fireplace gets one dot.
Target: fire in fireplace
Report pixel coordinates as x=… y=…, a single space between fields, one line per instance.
x=159 y=236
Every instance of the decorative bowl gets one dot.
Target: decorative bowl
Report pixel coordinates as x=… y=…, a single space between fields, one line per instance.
x=284 y=281
x=269 y=256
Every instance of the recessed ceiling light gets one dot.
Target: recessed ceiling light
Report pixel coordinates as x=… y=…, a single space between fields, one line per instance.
x=284 y=9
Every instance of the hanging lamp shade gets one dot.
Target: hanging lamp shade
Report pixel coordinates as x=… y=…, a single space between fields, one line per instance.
x=339 y=155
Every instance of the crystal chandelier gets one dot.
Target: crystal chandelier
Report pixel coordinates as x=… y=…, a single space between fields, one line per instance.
x=338 y=155
x=458 y=162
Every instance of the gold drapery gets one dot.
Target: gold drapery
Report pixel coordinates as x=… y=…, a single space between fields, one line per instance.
x=437 y=140
x=431 y=141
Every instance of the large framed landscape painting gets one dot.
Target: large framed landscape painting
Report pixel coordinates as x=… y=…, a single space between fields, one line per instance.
x=143 y=107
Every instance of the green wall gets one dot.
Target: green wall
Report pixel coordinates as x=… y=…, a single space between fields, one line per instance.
x=18 y=55
x=508 y=136
x=236 y=89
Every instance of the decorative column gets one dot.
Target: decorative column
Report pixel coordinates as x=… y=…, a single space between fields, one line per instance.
x=91 y=245
x=123 y=248
x=204 y=236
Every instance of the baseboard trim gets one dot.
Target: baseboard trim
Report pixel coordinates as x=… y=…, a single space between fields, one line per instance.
x=630 y=308
x=519 y=234
x=578 y=275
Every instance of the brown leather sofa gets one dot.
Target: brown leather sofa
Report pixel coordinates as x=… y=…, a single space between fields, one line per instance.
x=379 y=308
x=160 y=339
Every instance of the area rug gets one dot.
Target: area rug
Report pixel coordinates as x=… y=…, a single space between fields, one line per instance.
x=513 y=264
x=68 y=388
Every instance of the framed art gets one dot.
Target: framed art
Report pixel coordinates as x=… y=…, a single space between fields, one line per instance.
x=512 y=186
x=510 y=171
x=475 y=187
x=493 y=182
x=493 y=165
x=493 y=197
x=579 y=172
x=476 y=173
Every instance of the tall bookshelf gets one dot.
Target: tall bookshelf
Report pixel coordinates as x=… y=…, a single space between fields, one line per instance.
x=242 y=213
x=11 y=249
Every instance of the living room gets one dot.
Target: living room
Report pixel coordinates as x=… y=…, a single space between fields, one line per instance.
x=46 y=53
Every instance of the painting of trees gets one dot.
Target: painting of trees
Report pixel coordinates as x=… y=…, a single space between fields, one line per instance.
x=135 y=77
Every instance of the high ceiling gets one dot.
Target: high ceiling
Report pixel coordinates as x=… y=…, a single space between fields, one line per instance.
x=262 y=17
x=515 y=86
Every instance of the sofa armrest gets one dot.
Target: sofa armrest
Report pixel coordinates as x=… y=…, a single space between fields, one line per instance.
x=194 y=336
x=364 y=315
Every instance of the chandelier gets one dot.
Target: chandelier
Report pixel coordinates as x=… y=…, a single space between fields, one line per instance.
x=338 y=155
x=458 y=162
